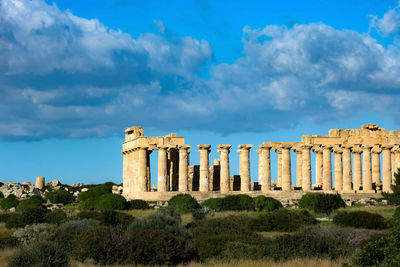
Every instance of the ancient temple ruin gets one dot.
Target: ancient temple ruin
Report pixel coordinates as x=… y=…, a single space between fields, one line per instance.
x=356 y=165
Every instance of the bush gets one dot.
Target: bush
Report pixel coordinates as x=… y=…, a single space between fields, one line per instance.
x=222 y=226
x=183 y=203
x=213 y=203
x=105 y=245
x=307 y=201
x=95 y=192
x=4 y=217
x=1 y=195
x=396 y=214
x=33 y=201
x=111 y=202
x=56 y=217
x=138 y=204
x=91 y=215
x=9 y=202
x=42 y=254
x=201 y=213
x=360 y=219
x=32 y=234
x=237 y=202
x=262 y=203
x=7 y=240
x=113 y=218
x=88 y=204
x=74 y=227
x=326 y=203
x=282 y=220
x=60 y=196
x=165 y=220
x=156 y=247
x=30 y=215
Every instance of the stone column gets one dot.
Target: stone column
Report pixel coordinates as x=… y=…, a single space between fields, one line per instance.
x=244 y=167
x=142 y=170
x=286 y=168
x=357 y=167
x=306 y=168
x=367 y=172
x=183 y=168
x=396 y=160
x=204 y=181
x=376 y=167
x=346 y=168
x=338 y=168
x=318 y=165
x=279 y=178
x=264 y=167
x=39 y=182
x=299 y=166
x=224 y=163
x=386 y=168
x=162 y=170
x=327 y=168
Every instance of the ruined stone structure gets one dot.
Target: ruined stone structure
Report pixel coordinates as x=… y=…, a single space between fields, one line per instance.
x=356 y=167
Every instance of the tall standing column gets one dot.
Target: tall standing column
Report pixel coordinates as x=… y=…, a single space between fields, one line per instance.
x=346 y=168
x=264 y=167
x=386 y=168
x=376 y=167
x=327 y=168
x=204 y=179
x=142 y=170
x=338 y=168
x=279 y=178
x=224 y=163
x=396 y=160
x=318 y=165
x=299 y=166
x=286 y=169
x=183 y=168
x=162 y=170
x=306 y=168
x=244 y=167
x=357 y=167
x=367 y=173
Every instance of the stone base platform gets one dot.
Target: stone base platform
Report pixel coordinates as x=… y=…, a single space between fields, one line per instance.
x=279 y=195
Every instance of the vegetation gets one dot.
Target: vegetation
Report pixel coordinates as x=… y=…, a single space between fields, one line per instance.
x=9 y=202
x=394 y=197
x=138 y=204
x=60 y=196
x=33 y=201
x=360 y=219
x=262 y=203
x=183 y=203
x=321 y=203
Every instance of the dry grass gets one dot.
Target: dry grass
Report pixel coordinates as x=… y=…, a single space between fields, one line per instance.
x=139 y=213
x=262 y=263
x=5 y=256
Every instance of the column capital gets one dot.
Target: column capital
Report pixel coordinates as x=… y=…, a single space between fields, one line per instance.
x=366 y=147
x=327 y=147
x=395 y=149
x=306 y=146
x=202 y=146
x=346 y=146
x=317 y=149
x=384 y=147
x=278 y=150
x=246 y=146
x=265 y=146
x=337 y=149
x=356 y=149
x=184 y=147
x=376 y=149
x=284 y=146
x=224 y=147
x=142 y=147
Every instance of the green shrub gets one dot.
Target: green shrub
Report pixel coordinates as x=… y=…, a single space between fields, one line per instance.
x=56 y=217
x=183 y=203
x=88 y=204
x=96 y=215
x=262 y=203
x=105 y=245
x=237 y=202
x=156 y=247
x=307 y=201
x=32 y=234
x=29 y=215
x=4 y=217
x=60 y=196
x=42 y=254
x=165 y=220
x=326 y=203
x=9 y=202
x=113 y=218
x=360 y=219
x=396 y=214
x=33 y=201
x=213 y=246
x=200 y=214
x=138 y=204
x=7 y=240
x=282 y=220
x=95 y=192
x=74 y=227
x=214 y=204
x=221 y=226
x=1 y=195
x=111 y=202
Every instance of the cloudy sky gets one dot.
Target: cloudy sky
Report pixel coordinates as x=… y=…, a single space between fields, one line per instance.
x=74 y=74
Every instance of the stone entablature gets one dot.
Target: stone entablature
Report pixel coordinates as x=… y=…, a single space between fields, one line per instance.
x=356 y=164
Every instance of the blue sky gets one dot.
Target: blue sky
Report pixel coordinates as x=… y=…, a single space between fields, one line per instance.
x=74 y=74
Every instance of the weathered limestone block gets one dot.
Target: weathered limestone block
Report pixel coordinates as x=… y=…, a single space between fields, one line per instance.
x=39 y=183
